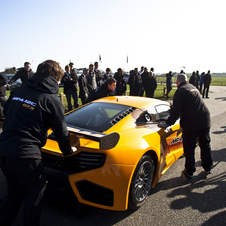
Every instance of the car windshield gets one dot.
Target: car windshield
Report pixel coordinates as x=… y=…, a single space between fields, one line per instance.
x=96 y=116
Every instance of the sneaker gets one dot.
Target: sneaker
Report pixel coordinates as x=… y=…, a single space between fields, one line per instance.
x=186 y=174
x=207 y=172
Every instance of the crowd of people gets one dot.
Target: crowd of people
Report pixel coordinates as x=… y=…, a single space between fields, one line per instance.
x=141 y=82
x=201 y=82
x=93 y=84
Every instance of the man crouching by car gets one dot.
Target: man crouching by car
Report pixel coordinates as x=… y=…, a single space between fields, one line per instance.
x=105 y=90
x=30 y=111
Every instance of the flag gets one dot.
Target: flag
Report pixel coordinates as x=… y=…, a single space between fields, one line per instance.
x=99 y=58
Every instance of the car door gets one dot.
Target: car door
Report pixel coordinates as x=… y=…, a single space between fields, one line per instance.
x=171 y=137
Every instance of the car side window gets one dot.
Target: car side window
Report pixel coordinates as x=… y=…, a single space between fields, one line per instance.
x=163 y=111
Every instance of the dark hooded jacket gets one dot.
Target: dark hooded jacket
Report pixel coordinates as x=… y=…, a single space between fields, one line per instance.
x=30 y=111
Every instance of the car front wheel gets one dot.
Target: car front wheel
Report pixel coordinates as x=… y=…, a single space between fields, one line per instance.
x=141 y=182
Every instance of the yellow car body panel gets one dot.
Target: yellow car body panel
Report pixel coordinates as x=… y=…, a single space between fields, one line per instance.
x=116 y=177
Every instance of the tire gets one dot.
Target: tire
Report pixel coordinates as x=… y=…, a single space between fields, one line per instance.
x=141 y=182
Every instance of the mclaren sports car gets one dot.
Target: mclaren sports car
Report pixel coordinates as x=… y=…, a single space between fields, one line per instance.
x=120 y=152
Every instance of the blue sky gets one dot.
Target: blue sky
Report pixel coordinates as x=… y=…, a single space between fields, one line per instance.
x=164 y=34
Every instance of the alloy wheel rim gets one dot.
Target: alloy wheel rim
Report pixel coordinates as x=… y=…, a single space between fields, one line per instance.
x=143 y=181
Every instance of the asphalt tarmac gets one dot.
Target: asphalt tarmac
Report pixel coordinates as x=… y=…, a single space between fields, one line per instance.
x=176 y=200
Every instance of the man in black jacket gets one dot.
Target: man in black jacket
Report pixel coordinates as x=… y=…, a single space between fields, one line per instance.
x=99 y=76
x=207 y=80
x=144 y=76
x=136 y=83
x=193 y=79
x=30 y=111
x=150 y=85
x=91 y=79
x=69 y=80
x=121 y=82
x=24 y=74
x=83 y=86
x=169 y=83
x=195 y=122
x=3 y=97
x=107 y=89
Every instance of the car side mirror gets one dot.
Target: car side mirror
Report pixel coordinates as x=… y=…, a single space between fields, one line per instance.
x=144 y=118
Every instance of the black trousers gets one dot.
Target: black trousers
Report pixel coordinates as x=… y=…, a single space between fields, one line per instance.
x=26 y=183
x=72 y=93
x=189 y=143
x=206 y=90
x=150 y=93
x=200 y=87
x=83 y=100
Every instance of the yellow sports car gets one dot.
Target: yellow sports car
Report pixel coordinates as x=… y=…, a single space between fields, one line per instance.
x=121 y=152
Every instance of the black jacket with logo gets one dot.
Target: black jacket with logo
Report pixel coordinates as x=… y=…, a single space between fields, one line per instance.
x=189 y=105
x=30 y=111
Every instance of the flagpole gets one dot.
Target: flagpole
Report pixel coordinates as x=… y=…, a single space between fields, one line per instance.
x=127 y=61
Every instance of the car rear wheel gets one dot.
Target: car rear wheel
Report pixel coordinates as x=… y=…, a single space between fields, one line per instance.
x=141 y=182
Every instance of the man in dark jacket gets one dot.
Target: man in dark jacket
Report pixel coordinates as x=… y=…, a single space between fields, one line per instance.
x=198 y=79
x=207 y=80
x=69 y=81
x=121 y=82
x=131 y=82
x=24 y=74
x=91 y=79
x=107 y=89
x=195 y=122
x=150 y=85
x=30 y=111
x=169 y=83
x=83 y=86
x=99 y=76
x=3 y=97
x=144 y=76
x=137 y=83
x=193 y=79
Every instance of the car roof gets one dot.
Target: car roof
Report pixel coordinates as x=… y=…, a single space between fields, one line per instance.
x=137 y=102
